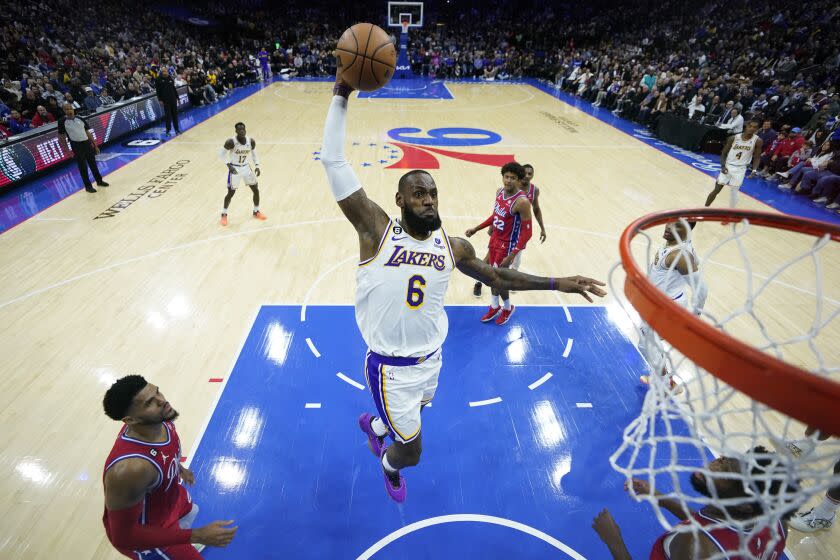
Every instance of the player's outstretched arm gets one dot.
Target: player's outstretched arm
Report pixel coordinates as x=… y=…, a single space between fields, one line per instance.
x=508 y=279
x=366 y=216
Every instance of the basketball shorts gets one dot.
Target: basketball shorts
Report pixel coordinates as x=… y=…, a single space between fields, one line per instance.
x=498 y=250
x=400 y=386
x=243 y=173
x=734 y=178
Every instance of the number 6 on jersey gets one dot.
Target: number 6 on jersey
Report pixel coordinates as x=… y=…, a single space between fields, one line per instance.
x=414 y=296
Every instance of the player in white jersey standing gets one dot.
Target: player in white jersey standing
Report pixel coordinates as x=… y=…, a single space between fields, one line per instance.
x=402 y=278
x=675 y=268
x=235 y=154
x=738 y=152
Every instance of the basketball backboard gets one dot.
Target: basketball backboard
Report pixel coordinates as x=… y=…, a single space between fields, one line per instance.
x=399 y=11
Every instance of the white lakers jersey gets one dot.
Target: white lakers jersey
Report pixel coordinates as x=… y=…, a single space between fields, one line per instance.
x=240 y=152
x=400 y=293
x=740 y=154
x=668 y=279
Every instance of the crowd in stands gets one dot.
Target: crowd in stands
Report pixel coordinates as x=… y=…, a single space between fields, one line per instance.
x=720 y=61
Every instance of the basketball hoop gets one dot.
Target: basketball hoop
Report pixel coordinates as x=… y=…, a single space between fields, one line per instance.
x=404 y=23
x=800 y=394
x=738 y=387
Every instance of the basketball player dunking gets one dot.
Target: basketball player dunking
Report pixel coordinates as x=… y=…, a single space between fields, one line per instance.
x=511 y=221
x=235 y=153
x=148 y=512
x=532 y=192
x=404 y=270
x=738 y=151
x=674 y=269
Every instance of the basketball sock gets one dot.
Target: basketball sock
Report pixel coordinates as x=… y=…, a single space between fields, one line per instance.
x=494 y=302
x=506 y=304
x=387 y=466
x=826 y=508
x=378 y=427
x=224 y=211
x=256 y=209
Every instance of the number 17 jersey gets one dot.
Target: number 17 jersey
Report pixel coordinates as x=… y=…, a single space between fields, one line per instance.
x=400 y=293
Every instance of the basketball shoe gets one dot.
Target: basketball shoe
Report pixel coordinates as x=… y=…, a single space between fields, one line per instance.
x=491 y=312
x=224 y=219
x=808 y=522
x=375 y=442
x=394 y=483
x=504 y=316
x=259 y=215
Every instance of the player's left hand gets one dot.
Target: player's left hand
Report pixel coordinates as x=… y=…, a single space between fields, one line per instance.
x=580 y=285
x=542 y=236
x=257 y=171
x=606 y=527
x=187 y=475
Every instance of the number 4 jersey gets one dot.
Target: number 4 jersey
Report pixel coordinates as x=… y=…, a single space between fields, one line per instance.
x=400 y=293
x=740 y=154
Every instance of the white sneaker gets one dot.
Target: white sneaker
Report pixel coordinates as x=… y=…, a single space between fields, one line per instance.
x=821 y=200
x=808 y=522
x=783 y=174
x=833 y=205
x=785 y=187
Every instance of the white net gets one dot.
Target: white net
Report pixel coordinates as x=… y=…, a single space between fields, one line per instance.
x=777 y=291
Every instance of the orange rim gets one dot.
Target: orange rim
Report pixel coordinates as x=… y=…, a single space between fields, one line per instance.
x=798 y=393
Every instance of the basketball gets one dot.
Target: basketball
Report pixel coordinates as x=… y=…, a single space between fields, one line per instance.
x=367 y=57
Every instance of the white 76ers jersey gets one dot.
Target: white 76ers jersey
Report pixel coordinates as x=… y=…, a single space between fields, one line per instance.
x=740 y=154
x=400 y=293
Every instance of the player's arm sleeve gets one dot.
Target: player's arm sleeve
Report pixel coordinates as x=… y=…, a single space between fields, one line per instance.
x=525 y=228
x=699 y=291
x=254 y=153
x=224 y=151
x=126 y=532
x=485 y=223
x=126 y=485
x=343 y=181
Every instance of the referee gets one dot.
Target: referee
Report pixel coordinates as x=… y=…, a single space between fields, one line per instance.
x=83 y=145
x=168 y=95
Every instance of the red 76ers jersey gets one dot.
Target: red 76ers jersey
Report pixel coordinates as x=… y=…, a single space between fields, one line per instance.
x=506 y=224
x=167 y=501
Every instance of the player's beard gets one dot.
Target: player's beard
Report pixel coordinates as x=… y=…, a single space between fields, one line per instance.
x=418 y=223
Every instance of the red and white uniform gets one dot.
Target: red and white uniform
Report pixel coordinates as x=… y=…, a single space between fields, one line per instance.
x=728 y=541
x=531 y=193
x=167 y=501
x=506 y=227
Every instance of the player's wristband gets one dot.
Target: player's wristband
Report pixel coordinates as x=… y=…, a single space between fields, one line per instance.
x=343 y=90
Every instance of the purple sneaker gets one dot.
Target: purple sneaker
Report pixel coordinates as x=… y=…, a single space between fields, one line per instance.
x=376 y=443
x=397 y=493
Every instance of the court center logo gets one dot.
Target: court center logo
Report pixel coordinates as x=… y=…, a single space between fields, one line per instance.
x=421 y=150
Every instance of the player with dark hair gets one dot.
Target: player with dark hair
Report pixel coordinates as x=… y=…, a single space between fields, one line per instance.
x=403 y=273
x=532 y=192
x=738 y=151
x=511 y=221
x=148 y=512
x=714 y=535
x=235 y=153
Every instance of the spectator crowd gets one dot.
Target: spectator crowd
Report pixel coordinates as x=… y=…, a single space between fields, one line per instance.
x=720 y=61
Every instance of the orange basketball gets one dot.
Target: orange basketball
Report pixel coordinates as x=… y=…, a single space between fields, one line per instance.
x=366 y=56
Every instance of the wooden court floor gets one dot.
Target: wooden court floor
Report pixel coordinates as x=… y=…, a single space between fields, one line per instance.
x=161 y=289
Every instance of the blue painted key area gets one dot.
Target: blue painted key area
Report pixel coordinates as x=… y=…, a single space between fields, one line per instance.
x=521 y=478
